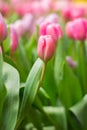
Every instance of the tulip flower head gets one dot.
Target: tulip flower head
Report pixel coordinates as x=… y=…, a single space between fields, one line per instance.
x=71 y=62
x=43 y=28
x=3 y=29
x=46 y=47
x=77 y=29
x=14 y=39
x=53 y=29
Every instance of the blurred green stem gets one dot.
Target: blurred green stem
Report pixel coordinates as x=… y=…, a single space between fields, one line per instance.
x=2 y=49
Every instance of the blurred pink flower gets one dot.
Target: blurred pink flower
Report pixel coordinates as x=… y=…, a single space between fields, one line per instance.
x=4 y=8
x=71 y=62
x=77 y=29
x=14 y=39
x=52 y=18
x=19 y=27
x=28 y=22
x=55 y=31
x=50 y=28
x=3 y=29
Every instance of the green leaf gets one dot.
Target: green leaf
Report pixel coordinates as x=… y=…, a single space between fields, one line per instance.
x=82 y=71
x=31 y=86
x=79 y=111
x=10 y=109
x=58 y=115
x=2 y=88
x=49 y=84
x=35 y=118
x=23 y=57
x=69 y=89
x=59 y=61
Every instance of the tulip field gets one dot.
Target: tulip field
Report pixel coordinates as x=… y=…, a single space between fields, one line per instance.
x=43 y=65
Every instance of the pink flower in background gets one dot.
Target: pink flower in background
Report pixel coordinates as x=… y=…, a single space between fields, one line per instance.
x=72 y=12
x=77 y=13
x=3 y=29
x=71 y=62
x=77 y=29
x=28 y=22
x=69 y=29
x=54 y=30
x=46 y=47
x=19 y=27
x=52 y=18
x=4 y=8
x=43 y=28
x=66 y=13
x=14 y=39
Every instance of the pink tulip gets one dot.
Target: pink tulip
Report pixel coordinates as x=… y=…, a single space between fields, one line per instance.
x=69 y=30
x=4 y=8
x=28 y=22
x=66 y=13
x=77 y=29
x=71 y=62
x=14 y=39
x=77 y=13
x=54 y=30
x=3 y=29
x=43 y=28
x=53 y=18
x=19 y=27
x=46 y=47
x=80 y=29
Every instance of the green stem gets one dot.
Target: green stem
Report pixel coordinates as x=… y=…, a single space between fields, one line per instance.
x=3 y=52
x=42 y=75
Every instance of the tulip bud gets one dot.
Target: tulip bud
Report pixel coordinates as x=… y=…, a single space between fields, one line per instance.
x=14 y=39
x=54 y=30
x=46 y=47
x=3 y=29
x=71 y=62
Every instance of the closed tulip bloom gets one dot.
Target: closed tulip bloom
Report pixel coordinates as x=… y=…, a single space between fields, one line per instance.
x=46 y=47
x=71 y=62
x=77 y=29
x=69 y=30
x=43 y=28
x=14 y=39
x=54 y=30
x=3 y=29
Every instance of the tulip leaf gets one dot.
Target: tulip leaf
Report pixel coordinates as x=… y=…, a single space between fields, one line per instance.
x=59 y=61
x=69 y=89
x=58 y=115
x=31 y=86
x=10 y=109
x=79 y=111
x=49 y=82
x=82 y=71
x=2 y=88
